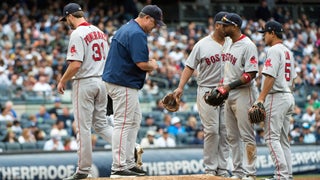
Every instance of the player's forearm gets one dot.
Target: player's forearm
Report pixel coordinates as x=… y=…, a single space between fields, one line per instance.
x=147 y=66
x=185 y=76
x=244 y=79
x=267 y=85
x=70 y=72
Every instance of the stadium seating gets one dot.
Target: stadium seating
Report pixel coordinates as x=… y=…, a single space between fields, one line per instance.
x=13 y=146
x=2 y=147
x=28 y=146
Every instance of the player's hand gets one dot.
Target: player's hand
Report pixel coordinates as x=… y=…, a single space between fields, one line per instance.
x=225 y=88
x=178 y=92
x=61 y=88
x=153 y=63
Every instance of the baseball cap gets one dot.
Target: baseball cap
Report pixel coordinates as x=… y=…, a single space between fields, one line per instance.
x=57 y=99
x=151 y=133
x=232 y=19
x=219 y=16
x=69 y=9
x=272 y=26
x=155 y=12
x=175 y=120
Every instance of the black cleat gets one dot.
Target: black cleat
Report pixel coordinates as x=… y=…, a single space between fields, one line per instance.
x=123 y=174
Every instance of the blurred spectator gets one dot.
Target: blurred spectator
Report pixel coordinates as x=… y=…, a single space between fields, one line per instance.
x=9 y=106
x=317 y=135
x=16 y=86
x=4 y=80
x=166 y=121
x=150 y=87
x=39 y=134
x=165 y=140
x=33 y=120
x=313 y=100
x=198 y=137
x=29 y=82
x=54 y=143
x=149 y=123
x=149 y=140
x=192 y=124
x=58 y=129
x=295 y=133
x=42 y=115
x=309 y=115
x=43 y=87
x=308 y=136
x=6 y=115
x=263 y=11
x=56 y=110
x=176 y=127
x=159 y=106
x=10 y=137
x=184 y=107
x=26 y=136
x=297 y=114
x=67 y=118
x=70 y=144
x=16 y=127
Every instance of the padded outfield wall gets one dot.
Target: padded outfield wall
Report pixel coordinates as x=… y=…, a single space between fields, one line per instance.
x=57 y=165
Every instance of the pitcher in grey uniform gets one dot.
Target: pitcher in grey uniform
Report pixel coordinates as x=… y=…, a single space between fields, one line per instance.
x=240 y=69
x=208 y=56
x=278 y=79
x=87 y=51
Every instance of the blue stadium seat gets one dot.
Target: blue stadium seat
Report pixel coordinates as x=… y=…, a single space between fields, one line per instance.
x=28 y=146
x=40 y=144
x=13 y=146
x=2 y=147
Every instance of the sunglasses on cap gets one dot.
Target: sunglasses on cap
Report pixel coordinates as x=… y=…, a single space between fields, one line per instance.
x=226 y=20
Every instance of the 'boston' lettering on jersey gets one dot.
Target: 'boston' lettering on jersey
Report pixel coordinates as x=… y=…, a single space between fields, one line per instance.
x=212 y=59
x=93 y=36
x=231 y=58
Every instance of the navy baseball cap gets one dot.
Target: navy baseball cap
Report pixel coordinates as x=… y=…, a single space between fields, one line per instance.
x=155 y=12
x=272 y=26
x=232 y=19
x=219 y=16
x=69 y=9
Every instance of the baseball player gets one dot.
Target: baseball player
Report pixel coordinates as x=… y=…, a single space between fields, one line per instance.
x=207 y=57
x=278 y=79
x=240 y=69
x=87 y=51
x=125 y=72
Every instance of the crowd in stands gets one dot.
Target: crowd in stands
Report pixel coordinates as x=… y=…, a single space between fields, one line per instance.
x=32 y=59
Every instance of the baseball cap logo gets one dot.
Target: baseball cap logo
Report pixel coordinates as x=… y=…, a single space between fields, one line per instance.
x=226 y=20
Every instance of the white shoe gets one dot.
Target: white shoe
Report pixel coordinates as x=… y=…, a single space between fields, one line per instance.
x=224 y=175
x=249 y=178
x=235 y=177
x=210 y=173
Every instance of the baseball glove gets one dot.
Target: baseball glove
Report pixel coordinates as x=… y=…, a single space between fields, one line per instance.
x=216 y=96
x=171 y=103
x=257 y=113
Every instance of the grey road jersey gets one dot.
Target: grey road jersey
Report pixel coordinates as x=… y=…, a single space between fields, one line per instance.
x=279 y=64
x=207 y=57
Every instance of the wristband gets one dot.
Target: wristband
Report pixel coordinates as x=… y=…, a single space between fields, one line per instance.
x=235 y=84
x=246 y=77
